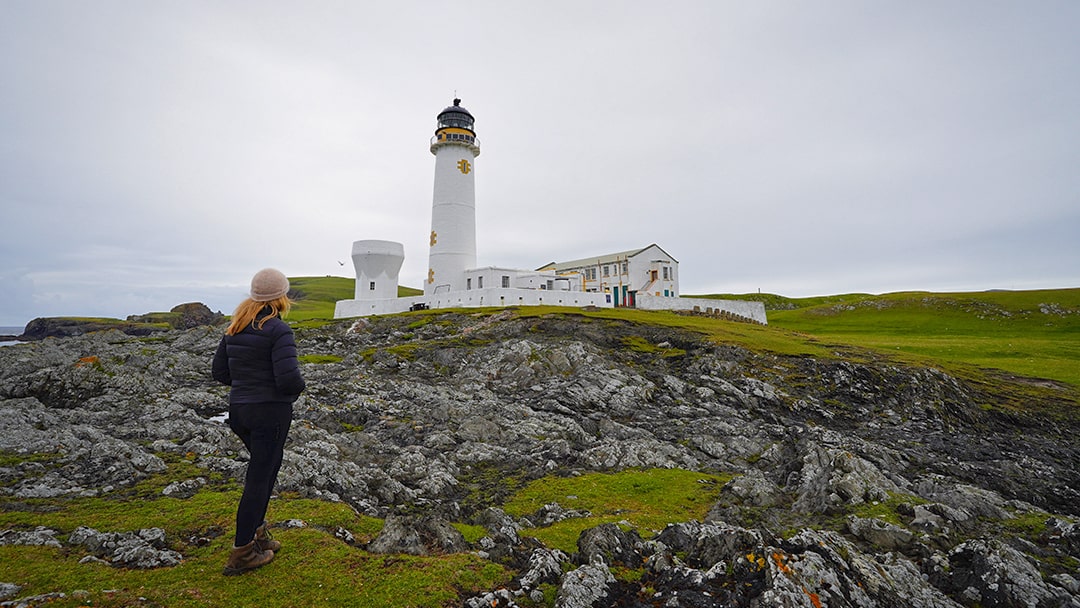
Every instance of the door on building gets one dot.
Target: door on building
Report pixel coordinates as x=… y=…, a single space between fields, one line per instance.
x=615 y=295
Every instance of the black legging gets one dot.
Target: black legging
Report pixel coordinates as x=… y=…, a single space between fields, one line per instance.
x=263 y=428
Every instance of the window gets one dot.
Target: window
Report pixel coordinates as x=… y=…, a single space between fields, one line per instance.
x=371 y=286
x=666 y=277
x=479 y=282
x=468 y=283
x=505 y=281
x=551 y=285
x=607 y=269
x=625 y=267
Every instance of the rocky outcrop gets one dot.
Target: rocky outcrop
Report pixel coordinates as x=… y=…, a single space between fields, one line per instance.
x=59 y=327
x=854 y=483
x=182 y=316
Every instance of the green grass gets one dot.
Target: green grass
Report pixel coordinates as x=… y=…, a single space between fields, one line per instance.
x=645 y=500
x=1035 y=334
x=319 y=359
x=753 y=337
x=641 y=345
x=314 y=568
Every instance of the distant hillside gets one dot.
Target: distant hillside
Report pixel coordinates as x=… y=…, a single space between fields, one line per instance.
x=774 y=301
x=1029 y=333
x=315 y=297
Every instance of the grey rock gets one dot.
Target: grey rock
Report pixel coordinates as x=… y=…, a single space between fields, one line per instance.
x=883 y=535
x=754 y=489
x=32 y=601
x=585 y=586
x=39 y=536
x=551 y=513
x=991 y=573
x=424 y=535
x=706 y=544
x=1067 y=583
x=184 y=489
x=8 y=590
x=500 y=598
x=610 y=544
x=499 y=524
x=545 y=566
x=835 y=476
x=143 y=549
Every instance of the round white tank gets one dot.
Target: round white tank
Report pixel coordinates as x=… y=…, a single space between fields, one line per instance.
x=377 y=265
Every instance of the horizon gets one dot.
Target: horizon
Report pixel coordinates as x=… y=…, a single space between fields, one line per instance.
x=228 y=311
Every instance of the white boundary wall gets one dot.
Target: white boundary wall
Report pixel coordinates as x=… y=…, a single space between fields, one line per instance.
x=750 y=310
x=473 y=298
x=476 y=298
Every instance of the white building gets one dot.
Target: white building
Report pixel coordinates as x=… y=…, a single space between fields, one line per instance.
x=646 y=278
x=622 y=276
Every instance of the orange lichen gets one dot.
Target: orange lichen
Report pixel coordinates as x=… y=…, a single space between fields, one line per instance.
x=91 y=360
x=780 y=565
x=814 y=599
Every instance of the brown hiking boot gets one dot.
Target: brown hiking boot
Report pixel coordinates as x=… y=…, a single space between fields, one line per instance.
x=265 y=540
x=245 y=558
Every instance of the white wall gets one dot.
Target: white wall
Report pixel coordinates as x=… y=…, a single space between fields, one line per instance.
x=365 y=308
x=750 y=310
x=473 y=298
x=517 y=297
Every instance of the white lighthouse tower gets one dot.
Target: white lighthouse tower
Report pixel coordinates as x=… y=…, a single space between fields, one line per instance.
x=453 y=206
x=453 y=280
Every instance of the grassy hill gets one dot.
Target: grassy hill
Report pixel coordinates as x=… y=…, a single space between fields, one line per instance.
x=1035 y=334
x=315 y=297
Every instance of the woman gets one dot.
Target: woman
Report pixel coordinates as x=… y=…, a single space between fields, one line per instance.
x=257 y=359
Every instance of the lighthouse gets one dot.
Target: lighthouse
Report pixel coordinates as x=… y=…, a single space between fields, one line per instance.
x=453 y=205
x=453 y=279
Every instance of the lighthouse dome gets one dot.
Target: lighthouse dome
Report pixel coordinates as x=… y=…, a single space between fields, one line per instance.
x=456 y=116
x=456 y=129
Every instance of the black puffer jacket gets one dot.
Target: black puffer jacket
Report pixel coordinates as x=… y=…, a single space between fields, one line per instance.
x=260 y=364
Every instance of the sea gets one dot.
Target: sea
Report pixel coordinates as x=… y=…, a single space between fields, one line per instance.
x=10 y=331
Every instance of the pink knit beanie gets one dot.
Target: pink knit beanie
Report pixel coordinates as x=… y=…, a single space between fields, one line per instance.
x=268 y=284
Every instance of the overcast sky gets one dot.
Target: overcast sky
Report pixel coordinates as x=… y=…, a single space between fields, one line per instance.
x=154 y=153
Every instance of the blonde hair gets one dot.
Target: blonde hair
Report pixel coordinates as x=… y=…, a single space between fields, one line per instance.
x=249 y=309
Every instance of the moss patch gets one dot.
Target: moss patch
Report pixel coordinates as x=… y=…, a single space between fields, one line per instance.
x=645 y=500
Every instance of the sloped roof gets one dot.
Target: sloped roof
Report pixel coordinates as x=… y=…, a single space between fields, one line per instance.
x=603 y=259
